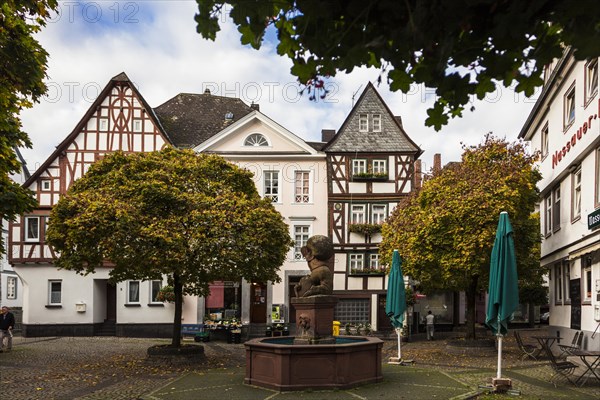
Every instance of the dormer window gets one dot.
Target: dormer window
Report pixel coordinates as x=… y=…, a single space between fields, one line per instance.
x=228 y=116
x=256 y=139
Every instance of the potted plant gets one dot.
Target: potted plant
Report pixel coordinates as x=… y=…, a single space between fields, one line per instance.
x=166 y=294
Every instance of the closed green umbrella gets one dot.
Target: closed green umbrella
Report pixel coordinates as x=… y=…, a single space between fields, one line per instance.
x=395 y=304
x=503 y=290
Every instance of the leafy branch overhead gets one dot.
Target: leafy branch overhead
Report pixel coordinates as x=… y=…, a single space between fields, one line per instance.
x=460 y=48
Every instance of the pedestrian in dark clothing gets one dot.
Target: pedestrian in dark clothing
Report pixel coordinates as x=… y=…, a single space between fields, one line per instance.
x=7 y=323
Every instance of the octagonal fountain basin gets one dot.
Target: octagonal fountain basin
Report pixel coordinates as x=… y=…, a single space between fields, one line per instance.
x=278 y=363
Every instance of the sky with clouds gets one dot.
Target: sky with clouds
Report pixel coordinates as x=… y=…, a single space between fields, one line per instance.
x=156 y=44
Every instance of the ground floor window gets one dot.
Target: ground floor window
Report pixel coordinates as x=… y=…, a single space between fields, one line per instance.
x=352 y=311
x=54 y=292
x=11 y=287
x=155 y=287
x=133 y=292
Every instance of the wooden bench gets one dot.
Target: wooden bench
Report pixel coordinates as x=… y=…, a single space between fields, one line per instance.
x=196 y=330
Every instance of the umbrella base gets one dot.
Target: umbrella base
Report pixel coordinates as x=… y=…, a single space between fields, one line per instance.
x=501 y=385
x=399 y=361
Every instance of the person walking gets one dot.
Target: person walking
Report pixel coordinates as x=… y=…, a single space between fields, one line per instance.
x=429 y=325
x=7 y=323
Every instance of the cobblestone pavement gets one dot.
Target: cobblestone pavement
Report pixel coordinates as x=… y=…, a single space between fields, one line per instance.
x=117 y=368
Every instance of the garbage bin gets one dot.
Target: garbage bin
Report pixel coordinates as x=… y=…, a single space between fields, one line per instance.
x=336 y=328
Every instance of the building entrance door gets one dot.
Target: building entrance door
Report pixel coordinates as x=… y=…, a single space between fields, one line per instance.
x=258 y=308
x=111 y=302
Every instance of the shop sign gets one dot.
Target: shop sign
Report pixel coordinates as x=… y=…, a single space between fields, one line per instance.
x=594 y=219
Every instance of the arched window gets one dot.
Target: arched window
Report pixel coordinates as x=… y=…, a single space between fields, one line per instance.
x=256 y=139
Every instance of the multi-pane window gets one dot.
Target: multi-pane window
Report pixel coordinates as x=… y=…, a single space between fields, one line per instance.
x=548 y=219
x=359 y=166
x=374 y=261
x=376 y=122
x=301 y=233
x=133 y=291
x=556 y=209
x=378 y=213
x=379 y=167
x=566 y=282
x=545 y=141
x=358 y=214
x=32 y=229
x=11 y=287
x=363 y=122
x=302 y=187
x=558 y=284
x=569 y=107
x=354 y=311
x=256 y=140
x=54 y=292
x=155 y=287
x=356 y=262
x=587 y=284
x=591 y=79
x=272 y=185
x=576 y=205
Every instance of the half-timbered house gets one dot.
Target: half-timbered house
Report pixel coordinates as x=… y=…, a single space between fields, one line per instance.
x=370 y=162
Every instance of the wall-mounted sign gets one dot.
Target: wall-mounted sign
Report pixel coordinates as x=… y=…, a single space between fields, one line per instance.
x=594 y=219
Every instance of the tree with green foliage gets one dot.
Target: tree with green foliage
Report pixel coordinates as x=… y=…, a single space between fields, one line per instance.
x=22 y=71
x=195 y=218
x=445 y=231
x=460 y=48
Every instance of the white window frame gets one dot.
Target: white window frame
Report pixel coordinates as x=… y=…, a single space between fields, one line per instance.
x=256 y=140
x=137 y=125
x=379 y=167
x=272 y=191
x=588 y=283
x=11 y=287
x=569 y=105
x=356 y=262
x=558 y=284
x=556 y=209
x=548 y=214
x=576 y=199
x=53 y=284
x=379 y=216
x=103 y=124
x=46 y=185
x=302 y=187
x=359 y=166
x=591 y=79
x=376 y=122
x=566 y=282
x=28 y=232
x=358 y=214
x=129 y=299
x=545 y=141
x=151 y=290
x=301 y=235
x=374 y=261
x=363 y=122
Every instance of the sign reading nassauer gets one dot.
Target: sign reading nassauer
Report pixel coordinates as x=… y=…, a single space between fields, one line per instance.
x=594 y=219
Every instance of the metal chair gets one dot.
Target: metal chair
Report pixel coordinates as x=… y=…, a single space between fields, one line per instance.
x=564 y=369
x=528 y=350
x=566 y=349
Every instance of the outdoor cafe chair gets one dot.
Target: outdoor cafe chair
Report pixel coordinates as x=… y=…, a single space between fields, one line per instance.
x=563 y=369
x=528 y=350
x=566 y=349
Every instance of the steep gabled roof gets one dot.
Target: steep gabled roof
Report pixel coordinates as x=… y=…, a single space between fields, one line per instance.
x=191 y=119
x=116 y=80
x=391 y=139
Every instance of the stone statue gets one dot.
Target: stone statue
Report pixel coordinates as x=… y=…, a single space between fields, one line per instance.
x=317 y=252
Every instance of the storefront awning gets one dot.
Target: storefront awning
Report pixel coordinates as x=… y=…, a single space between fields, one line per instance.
x=584 y=250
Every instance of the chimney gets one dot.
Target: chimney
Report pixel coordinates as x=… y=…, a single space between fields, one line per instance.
x=255 y=106
x=327 y=134
x=437 y=162
x=417 y=177
x=207 y=91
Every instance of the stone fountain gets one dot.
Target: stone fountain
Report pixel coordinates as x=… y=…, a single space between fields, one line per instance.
x=315 y=359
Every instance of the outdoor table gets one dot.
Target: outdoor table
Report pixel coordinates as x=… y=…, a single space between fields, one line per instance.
x=585 y=356
x=546 y=341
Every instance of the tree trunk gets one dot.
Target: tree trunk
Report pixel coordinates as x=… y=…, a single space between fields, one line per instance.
x=471 y=295
x=178 y=291
x=531 y=314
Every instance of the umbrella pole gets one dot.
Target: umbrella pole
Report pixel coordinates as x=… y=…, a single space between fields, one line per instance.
x=399 y=345
x=499 y=375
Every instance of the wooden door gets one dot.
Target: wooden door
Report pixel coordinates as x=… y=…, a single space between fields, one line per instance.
x=258 y=309
x=111 y=302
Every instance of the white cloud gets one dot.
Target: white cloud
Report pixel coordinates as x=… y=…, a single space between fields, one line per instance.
x=163 y=55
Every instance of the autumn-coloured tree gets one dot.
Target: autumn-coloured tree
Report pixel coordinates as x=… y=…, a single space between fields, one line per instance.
x=462 y=48
x=445 y=231
x=195 y=218
x=22 y=73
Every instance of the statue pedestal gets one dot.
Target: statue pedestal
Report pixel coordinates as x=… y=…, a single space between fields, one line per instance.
x=314 y=319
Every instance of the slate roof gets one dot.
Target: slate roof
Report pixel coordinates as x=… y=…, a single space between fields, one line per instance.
x=391 y=139
x=191 y=119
